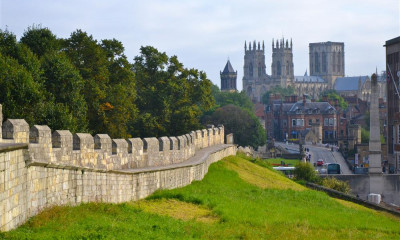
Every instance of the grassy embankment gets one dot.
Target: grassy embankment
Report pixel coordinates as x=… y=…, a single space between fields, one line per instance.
x=236 y=199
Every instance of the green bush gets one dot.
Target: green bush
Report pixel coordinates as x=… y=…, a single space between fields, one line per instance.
x=305 y=171
x=336 y=184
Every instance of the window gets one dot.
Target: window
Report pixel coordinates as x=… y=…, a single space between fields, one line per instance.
x=278 y=68
x=251 y=69
x=341 y=132
x=398 y=134
x=317 y=120
x=284 y=123
x=326 y=121
x=309 y=122
x=294 y=122
x=330 y=121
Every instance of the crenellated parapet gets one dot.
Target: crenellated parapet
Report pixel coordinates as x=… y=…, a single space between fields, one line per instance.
x=61 y=147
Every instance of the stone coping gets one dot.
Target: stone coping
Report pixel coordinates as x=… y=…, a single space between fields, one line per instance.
x=8 y=147
x=199 y=157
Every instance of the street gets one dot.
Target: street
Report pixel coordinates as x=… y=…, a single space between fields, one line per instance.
x=319 y=152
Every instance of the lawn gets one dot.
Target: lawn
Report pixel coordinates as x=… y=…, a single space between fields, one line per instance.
x=277 y=161
x=236 y=200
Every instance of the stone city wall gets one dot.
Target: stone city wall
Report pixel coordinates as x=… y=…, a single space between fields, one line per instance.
x=40 y=169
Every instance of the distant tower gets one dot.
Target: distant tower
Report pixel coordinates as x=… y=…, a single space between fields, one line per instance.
x=254 y=70
x=327 y=61
x=228 y=78
x=282 y=63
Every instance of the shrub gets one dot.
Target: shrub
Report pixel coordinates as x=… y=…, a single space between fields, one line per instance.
x=336 y=184
x=305 y=171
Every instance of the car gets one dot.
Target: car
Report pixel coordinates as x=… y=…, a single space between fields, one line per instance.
x=320 y=162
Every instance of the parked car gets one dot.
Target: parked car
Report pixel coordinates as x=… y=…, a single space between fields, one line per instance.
x=320 y=162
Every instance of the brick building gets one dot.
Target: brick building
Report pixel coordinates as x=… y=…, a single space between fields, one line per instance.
x=292 y=119
x=393 y=112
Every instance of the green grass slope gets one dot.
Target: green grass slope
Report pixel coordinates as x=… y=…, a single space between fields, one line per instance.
x=236 y=200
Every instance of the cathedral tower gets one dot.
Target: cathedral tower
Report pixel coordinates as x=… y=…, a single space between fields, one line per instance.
x=282 y=63
x=228 y=78
x=254 y=77
x=327 y=61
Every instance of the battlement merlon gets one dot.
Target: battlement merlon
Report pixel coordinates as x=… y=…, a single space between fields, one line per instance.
x=1 y=122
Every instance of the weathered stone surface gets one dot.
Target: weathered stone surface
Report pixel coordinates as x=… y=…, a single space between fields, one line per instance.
x=16 y=129
x=1 y=121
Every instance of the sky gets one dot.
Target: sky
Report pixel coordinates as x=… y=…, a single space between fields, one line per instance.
x=204 y=34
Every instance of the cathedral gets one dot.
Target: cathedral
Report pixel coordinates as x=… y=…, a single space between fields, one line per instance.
x=326 y=64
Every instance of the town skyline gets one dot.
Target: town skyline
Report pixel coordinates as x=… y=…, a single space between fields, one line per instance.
x=204 y=35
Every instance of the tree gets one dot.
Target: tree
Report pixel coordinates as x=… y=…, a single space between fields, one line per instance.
x=40 y=40
x=63 y=81
x=246 y=128
x=289 y=91
x=333 y=96
x=121 y=93
x=170 y=97
x=239 y=99
x=91 y=61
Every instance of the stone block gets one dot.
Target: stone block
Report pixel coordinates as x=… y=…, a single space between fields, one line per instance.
x=135 y=149
x=151 y=148
x=40 y=134
x=229 y=138
x=1 y=121
x=119 y=146
x=16 y=129
x=83 y=142
x=41 y=144
x=103 y=142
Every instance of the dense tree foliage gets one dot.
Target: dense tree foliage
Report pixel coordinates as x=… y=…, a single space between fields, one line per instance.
x=289 y=91
x=81 y=84
x=246 y=128
x=332 y=95
x=236 y=111
x=170 y=97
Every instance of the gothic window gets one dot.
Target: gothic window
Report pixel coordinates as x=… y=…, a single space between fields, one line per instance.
x=323 y=62
x=339 y=62
x=278 y=68
x=251 y=69
x=249 y=90
x=316 y=61
x=287 y=67
x=334 y=61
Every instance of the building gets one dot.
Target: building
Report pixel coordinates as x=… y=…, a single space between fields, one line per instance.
x=282 y=63
x=326 y=64
x=327 y=61
x=393 y=98
x=360 y=87
x=228 y=78
x=255 y=79
x=293 y=119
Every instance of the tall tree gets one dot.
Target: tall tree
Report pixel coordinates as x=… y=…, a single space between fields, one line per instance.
x=40 y=40
x=91 y=61
x=170 y=97
x=246 y=128
x=63 y=81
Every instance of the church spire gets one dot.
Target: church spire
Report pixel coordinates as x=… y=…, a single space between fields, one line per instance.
x=245 y=46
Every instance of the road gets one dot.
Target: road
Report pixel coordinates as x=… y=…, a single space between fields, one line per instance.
x=319 y=152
